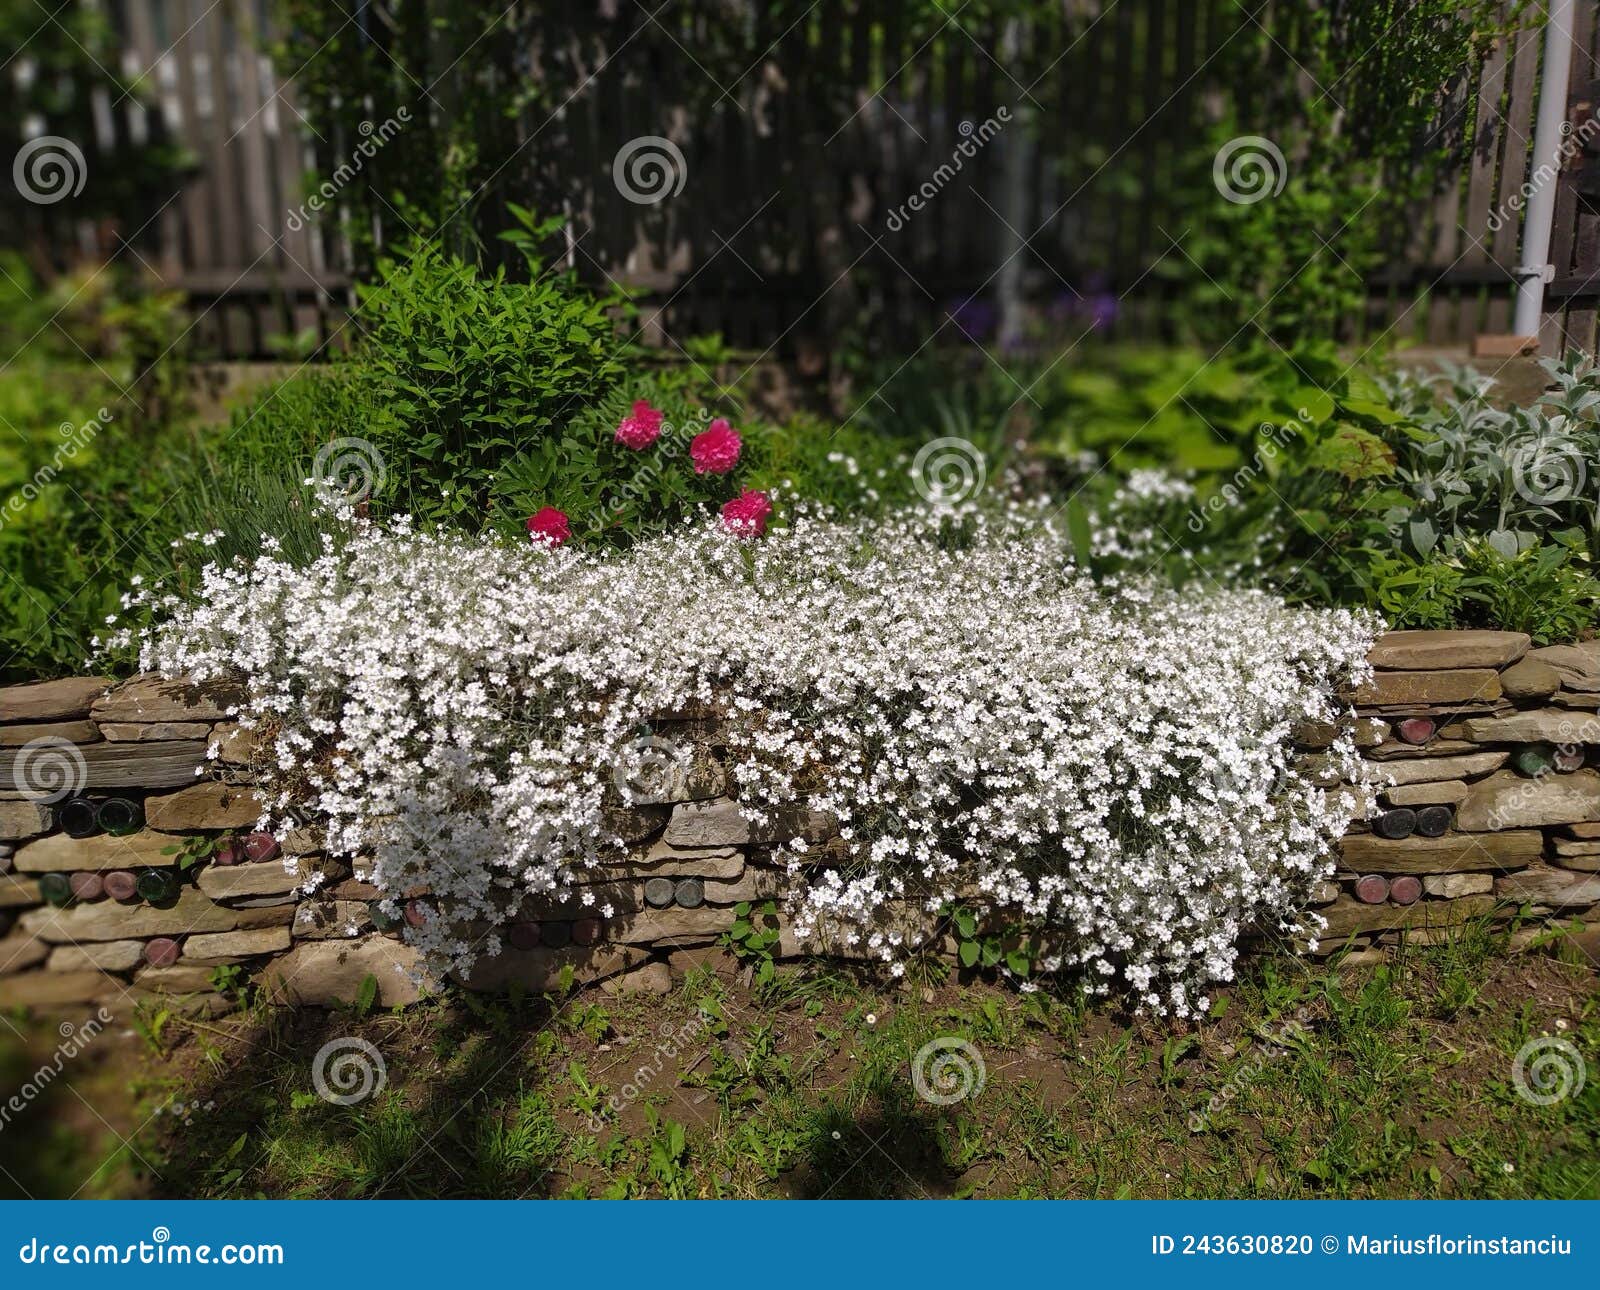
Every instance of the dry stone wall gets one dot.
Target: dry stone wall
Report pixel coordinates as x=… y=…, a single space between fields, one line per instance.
x=1483 y=753
x=143 y=873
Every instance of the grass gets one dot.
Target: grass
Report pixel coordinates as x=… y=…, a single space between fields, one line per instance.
x=1307 y=1081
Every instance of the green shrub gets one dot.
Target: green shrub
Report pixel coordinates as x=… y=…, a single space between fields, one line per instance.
x=461 y=374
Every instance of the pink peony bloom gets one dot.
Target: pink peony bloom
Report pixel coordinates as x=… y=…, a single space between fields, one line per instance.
x=548 y=527
x=715 y=452
x=641 y=427
x=747 y=513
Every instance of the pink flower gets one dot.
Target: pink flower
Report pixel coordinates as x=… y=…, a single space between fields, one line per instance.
x=641 y=427
x=548 y=527
x=715 y=452
x=747 y=513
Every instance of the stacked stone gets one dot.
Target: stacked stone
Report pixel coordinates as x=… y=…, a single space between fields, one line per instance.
x=1482 y=751
x=113 y=915
x=101 y=787
x=146 y=875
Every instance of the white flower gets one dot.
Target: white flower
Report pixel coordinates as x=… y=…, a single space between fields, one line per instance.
x=1110 y=765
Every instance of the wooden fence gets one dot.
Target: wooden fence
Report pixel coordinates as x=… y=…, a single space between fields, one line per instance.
x=737 y=251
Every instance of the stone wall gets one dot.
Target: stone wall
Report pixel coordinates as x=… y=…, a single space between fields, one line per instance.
x=143 y=875
x=1483 y=752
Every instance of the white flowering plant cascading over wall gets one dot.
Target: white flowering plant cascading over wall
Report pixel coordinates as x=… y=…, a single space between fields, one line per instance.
x=1107 y=763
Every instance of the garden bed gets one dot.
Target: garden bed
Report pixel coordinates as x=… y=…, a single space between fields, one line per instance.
x=1480 y=749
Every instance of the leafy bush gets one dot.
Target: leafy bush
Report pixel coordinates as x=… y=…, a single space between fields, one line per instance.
x=1546 y=591
x=978 y=715
x=462 y=376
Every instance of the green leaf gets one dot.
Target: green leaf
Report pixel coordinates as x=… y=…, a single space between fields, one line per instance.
x=968 y=953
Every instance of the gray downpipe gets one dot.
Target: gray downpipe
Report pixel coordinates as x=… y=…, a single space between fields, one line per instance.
x=1536 y=270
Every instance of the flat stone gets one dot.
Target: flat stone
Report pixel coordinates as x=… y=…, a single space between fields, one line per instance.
x=721 y=823
x=178 y=979
x=184 y=1004
x=1370 y=732
x=107 y=956
x=633 y=824
x=50 y=989
x=718 y=824
x=755 y=884
x=352 y=889
x=1365 y=732
x=235 y=882
x=541 y=969
x=193 y=911
x=1542 y=725
x=1578 y=864
x=138 y=733
x=1571 y=699
x=326 y=920
x=662 y=859
x=1346 y=917
x=654 y=977
x=19 y=893
x=1557 y=888
x=1435 y=747
x=204 y=806
x=230 y=947
x=323 y=973
x=1435 y=793
x=1452 y=853
x=1423 y=770
x=60 y=854
x=668 y=926
x=1452 y=885
x=1401 y=688
x=74 y=732
x=21 y=951
x=1531 y=678
x=69 y=697
x=1428 y=650
x=1577 y=665
x=1507 y=800
x=151 y=698
x=164 y=764
x=235 y=745
x=1584 y=847
x=20 y=821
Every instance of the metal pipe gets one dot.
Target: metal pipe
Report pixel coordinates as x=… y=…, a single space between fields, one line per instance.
x=1536 y=269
